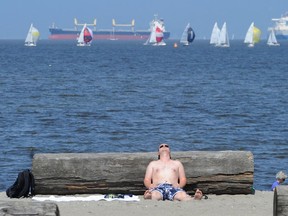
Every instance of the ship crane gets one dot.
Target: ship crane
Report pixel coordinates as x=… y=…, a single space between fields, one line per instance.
x=82 y=24
x=123 y=25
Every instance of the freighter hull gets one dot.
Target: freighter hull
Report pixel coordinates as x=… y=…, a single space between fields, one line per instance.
x=281 y=35
x=60 y=34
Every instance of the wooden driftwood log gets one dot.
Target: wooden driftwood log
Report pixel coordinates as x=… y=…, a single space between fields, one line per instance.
x=280 y=204
x=215 y=172
x=28 y=208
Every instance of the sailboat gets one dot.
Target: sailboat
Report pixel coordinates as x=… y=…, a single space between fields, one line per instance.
x=32 y=36
x=272 y=41
x=188 y=35
x=85 y=37
x=252 y=36
x=215 y=34
x=223 y=40
x=156 y=36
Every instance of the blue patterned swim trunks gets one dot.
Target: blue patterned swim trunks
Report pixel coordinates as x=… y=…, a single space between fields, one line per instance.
x=167 y=190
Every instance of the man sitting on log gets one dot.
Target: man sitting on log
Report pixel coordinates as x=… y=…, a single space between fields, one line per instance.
x=165 y=178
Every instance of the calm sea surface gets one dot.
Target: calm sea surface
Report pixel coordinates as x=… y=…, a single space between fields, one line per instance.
x=126 y=97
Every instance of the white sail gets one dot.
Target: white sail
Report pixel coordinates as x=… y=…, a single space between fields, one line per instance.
x=249 y=35
x=223 y=40
x=80 y=39
x=184 y=36
x=153 y=36
x=32 y=36
x=272 y=41
x=215 y=34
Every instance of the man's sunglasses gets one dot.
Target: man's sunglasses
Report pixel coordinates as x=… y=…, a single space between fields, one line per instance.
x=161 y=146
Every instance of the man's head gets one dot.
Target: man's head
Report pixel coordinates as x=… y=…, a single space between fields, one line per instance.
x=281 y=176
x=163 y=148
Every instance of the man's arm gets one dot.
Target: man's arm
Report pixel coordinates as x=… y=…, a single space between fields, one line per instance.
x=182 y=176
x=148 y=181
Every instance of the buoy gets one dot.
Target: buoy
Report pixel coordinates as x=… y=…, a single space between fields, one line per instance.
x=175 y=45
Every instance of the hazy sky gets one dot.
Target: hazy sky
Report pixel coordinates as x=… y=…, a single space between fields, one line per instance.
x=16 y=15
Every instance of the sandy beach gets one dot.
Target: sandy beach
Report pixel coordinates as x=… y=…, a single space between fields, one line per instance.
x=260 y=204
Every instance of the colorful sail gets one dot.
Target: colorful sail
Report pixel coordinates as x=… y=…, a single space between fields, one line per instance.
x=256 y=34
x=88 y=35
x=190 y=35
x=85 y=37
x=159 y=35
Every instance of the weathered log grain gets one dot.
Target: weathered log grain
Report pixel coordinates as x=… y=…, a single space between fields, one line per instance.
x=280 y=203
x=28 y=208
x=214 y=172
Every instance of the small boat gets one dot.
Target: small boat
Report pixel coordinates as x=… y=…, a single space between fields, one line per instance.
x=223 y=40
x=85 y=37
x=156 y=35
x=188 y=35
x=215 y=34
x=32 y=36
x=252 y=36
x=272 y=41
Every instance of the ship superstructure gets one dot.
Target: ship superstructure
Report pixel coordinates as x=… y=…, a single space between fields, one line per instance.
x=281 y=27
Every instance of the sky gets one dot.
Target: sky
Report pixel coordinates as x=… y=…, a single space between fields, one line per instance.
x=17 y=15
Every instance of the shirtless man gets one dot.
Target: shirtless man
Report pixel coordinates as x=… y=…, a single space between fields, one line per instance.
x=165 y=178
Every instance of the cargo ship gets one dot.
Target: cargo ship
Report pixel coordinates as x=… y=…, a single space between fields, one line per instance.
x=281 y=27
x=117 y=32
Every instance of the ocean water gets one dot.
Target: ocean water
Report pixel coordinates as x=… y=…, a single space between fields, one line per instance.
x=126 y=97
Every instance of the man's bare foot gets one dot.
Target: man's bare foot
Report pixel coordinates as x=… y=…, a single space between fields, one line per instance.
x=147 y=194
x=198 y=195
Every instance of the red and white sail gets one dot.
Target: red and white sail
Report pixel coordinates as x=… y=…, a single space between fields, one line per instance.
x=157 y=35
x=85 y=37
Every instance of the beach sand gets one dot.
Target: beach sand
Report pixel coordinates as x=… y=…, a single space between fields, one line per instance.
x=260 y=204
